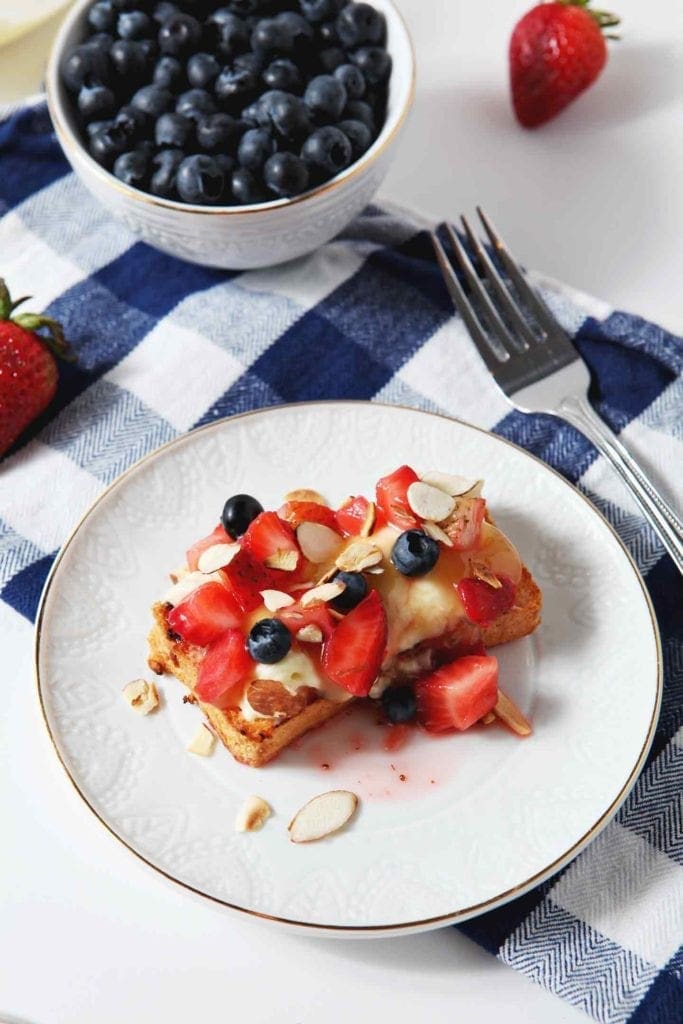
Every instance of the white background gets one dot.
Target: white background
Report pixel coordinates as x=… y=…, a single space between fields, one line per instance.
x=87 y=933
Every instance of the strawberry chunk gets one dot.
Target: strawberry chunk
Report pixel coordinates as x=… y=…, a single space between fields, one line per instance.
x=483 y=603
x=205 y=614
x=218 y=536
x=354 y=652
x=295 y=618
x=297 y=512
x=352 y=515
x=224 y=669
x=464 y=528
x=459 y=694
x=270 y=541
x=392 y=498
x=246 y=577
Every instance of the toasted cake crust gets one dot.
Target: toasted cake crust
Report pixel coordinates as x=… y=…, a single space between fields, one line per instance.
x=259 y=741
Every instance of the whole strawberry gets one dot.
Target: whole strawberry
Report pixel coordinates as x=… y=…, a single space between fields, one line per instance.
x=28 y=371
x=556 y=51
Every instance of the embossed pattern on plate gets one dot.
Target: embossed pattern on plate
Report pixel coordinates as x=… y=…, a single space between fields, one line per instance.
x=479 y=817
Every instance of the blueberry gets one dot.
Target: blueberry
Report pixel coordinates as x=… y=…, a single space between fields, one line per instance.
x=134 y=25
x=359 y=110
x=328 y=150
x=327 y=34
x=256 y=145
x=134 y=122
x=96 y=101
x=228 y=33
x=283 y=74
x=358 y=134
x=239 y=512
x=246 y=187
x=101 y=16
x=169 y=73
x=179 y=34
x=352 y=80
x=269 y=641
x=235 y=87
x=131 y=59
x=164 y=169
x=132 y=168
x=286 y=175
x=399 y=704
x=172 y=130
x=331 y=58
x=287 y=114
x=254 y=62
x=102 y=41
x=163 y=10
x=195 y=103
x=251 y=115
x=108 y=143
x=147 y=147
x=319 y=10
x=95 y=126
x=373 y=62
x=414 y=553
x=86 y=65
x=360 y=23
x=226 y=164
x=202 y=70
x=199 y=179
x=325 y=97
x=218 y=132
x=245 y=7
x=286 y=33
x=152 y=100
x=356 y=588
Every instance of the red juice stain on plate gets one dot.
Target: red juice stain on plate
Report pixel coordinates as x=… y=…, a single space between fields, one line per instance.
x=396 y=737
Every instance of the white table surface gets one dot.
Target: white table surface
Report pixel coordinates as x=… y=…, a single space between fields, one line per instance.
x=87 y=933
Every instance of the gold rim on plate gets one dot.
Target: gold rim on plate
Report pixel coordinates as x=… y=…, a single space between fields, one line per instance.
x=451 y=917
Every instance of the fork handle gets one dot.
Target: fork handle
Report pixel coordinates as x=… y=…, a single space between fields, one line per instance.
x=656 y=510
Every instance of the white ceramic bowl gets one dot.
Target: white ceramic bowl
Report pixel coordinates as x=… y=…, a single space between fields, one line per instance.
x=239 y=237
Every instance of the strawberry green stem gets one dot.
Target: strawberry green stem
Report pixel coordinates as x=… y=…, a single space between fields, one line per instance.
x=605 y=19
x=55 y=340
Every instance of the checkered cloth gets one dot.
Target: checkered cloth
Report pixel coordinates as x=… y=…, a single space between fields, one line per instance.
x=164 y=346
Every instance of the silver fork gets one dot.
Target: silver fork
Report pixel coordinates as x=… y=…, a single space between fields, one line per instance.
x=534 y=363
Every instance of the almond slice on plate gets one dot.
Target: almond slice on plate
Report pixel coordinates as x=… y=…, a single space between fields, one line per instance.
x=276 y=599
x=318 y=543
x=252 y=815
x=430 y=502
x=508 y=712
x=217 y=557
x=434 y=531
x=185 y=586
x=488 y=718
x=322 y=594
x=203 y=742
x=359 y=555
x=323 y=815
x=141 y=696
x=305 y=494
x=450 y=483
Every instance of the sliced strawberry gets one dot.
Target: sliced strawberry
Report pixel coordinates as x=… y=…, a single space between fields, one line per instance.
x=484 y=603
x=218 y=536
x=205 y=614
x=353 y=654
x=246 y=578
x=392 y=497
x=297 y=512
x=459 y=694
x=295 y=618
x=269 y=539
x=352 y=515
x=464 y=528
x=225 y=667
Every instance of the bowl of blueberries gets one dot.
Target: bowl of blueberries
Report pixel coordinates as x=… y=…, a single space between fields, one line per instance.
x=231 y=133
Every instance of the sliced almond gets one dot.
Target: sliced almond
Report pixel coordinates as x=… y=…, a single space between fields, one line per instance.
x=141 y=696
x=202 y=743
x=508 y=712
x=359 y=555
x=451 y=483
x=276 y=599
x=369 y=521
x=305 y=494
x=429 y=502
x=318 y=542
x=374 y=570
x=217 y=557
x=434 y=531
x=268 y=697
x=322 y=594
x=310 y=634
x=483 y=573
x=322 y=816
x=184 y=587
x=252 y=815
x=488 y=718
x=284 y=558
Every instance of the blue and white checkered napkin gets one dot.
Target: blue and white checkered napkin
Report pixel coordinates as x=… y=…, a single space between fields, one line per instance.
x=164 y=346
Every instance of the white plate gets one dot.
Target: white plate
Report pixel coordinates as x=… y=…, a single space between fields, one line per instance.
x=500 y=814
